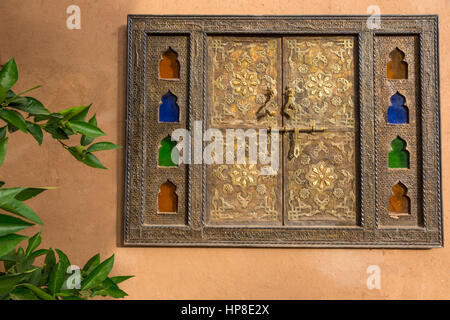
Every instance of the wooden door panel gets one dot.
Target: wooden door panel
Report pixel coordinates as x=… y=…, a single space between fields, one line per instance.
x=241 y=194
x=244 y=76
x=321 y=73
x=244 y=92
x=319 y=181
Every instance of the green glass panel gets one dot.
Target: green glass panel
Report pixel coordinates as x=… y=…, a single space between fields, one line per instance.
x=398 y=157
x=165 y=153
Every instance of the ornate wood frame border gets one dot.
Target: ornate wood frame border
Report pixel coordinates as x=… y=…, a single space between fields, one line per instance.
x=368 y=233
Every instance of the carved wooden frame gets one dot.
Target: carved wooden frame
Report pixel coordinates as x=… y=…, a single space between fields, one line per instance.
x=141 y=179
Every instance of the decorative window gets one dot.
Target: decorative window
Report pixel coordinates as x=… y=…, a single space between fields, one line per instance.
x=168 y=109
x=343 y=120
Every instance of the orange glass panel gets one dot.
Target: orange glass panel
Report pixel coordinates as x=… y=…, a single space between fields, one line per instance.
x=399 y=202
x=169 y=67
x=167 y=198
x=397 y=68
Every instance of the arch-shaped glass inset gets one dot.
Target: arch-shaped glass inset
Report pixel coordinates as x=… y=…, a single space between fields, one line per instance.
x=168 y=153
x=168 y=109
x=167 y=198
x=397 y=112
x=399 y=202
x=398 y=156
x=169 y=66
x=396 y=68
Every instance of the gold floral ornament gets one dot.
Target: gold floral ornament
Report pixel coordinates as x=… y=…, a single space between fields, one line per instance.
x=261 y=189
x=319 y=85
x=228 y=188
x=244 y=175
x=321 y=177
x=244 y=83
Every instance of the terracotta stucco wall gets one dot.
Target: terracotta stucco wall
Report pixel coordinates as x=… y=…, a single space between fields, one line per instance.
x=84 y=215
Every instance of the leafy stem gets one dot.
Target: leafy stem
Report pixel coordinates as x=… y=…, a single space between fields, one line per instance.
x=22 y=279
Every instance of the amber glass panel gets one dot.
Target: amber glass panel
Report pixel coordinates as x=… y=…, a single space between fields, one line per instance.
x=396 y=68
x=167 y=198
x=169 y=67
x=399 y=202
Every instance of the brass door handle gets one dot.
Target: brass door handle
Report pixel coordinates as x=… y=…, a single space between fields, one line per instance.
x=264 y=109
x=289 y=108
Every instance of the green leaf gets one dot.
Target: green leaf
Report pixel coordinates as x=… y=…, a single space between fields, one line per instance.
x=22 y=293
x=65 y=293
x=92 y=161
x=86 y=129
x=63 y=258
x=29 y=105
x=49 y=263
x=3 y=132
x=13 y=100
x=10 y=267
x=36 y=277
x=6 y=194
x=10 y=224
x=9 y=242
x=91 y=264
x=9 y=257
x=70 y=297
x=74 y=151
x=59 y=273
x=8 y=282
x=22 y=264
x=11 y=128
x=120 y=279
x=82 y=115
x=73 y=112
x=3 y=143
x=56 y=132
x=29 y=193
x=17 y=207
x=38 y=253
x=2 y=183
x=33 y=243
x=98 y=275
x=8 y=75
x=99 y=146
x=35 y=131
x=38 y=291
x=52 y=117
x=13 y=118
x=57 y=277
x=84 y=141
x=109 y=288
x=2 y=97
x=93 y=120
x=11 y=96
x=68 y=130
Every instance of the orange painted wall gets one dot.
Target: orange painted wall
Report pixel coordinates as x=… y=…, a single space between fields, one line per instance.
x=84 y=215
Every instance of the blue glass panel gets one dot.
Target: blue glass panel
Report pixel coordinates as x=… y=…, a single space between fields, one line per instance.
x=397 y=111
x=169 y=110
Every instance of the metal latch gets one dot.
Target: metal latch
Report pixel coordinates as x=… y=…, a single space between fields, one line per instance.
x=295 y=136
